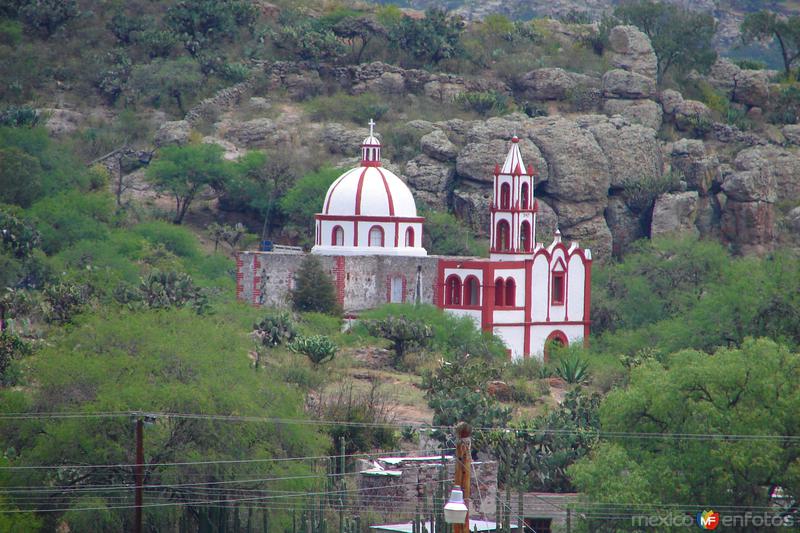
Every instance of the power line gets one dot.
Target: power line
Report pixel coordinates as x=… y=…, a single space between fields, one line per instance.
x=419 y=427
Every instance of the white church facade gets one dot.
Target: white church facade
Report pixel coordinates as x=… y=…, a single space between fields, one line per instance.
x=369 y=237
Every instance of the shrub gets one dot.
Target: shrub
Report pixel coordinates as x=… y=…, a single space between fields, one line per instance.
x=318 y=348
x=314 y=290
x=404 y=333
x=444 y=234
x=640 y=193
x=275 y=329
x=484 y=102
x=12 y=347
x=750 y=64
x=368 y=415
x=18 y=116
x=354 y=108
x=177 y=240
x=156 y=42
x=165 y=290
x=69 y=217
x=64 y=300
x=47 y=16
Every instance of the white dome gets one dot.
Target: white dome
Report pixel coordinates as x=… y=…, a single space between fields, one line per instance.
x=369 y=191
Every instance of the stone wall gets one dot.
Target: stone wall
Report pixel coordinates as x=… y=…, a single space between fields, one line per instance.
x=362 y=281
x=418 y=480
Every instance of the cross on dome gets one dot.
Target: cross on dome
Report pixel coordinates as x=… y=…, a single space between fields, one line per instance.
x=371 y=148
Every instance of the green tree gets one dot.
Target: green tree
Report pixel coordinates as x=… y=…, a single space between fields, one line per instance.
x=307 y=38
x=163 y=80
x=743 y=391
x=404 y=333
x=47 y=16
x=305 y=199
x=681 y=38
x=163 y=363
x=201 y=23
x=446 y=235
x=430 y=39
x=313 y=289
x=184 y=171
x=767 y=26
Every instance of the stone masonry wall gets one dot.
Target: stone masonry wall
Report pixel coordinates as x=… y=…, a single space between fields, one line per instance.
x=362 y=281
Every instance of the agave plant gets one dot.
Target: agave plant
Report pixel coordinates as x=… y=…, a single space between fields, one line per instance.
x=573 y=369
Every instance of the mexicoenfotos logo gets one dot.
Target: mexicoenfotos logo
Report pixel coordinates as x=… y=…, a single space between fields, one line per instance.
x=708 y=519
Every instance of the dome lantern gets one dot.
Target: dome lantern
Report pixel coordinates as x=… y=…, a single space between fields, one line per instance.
x=371 y=149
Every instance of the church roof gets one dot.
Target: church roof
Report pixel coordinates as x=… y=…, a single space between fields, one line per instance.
x=513 y=163
x=369 y=189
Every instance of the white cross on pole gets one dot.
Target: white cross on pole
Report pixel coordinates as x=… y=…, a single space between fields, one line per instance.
x=371 y=125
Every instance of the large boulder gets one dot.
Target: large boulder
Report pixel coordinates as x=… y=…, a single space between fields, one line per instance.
x=791 y=133
x=781 y=163
x=645 y=112
x=62 y=122
x=256 y=133
x=632 y=151
x=593 y=234
x=674 y=213
x=175 y=132
x=689 y=114
x=749 y=226
x=471 y=203
x=546 y=221
x=620 y=83
x=341 y=140
x=750 y=186
x=631 y=50
x=430 y=179
x=700 y=170
x=476 y=162
x=744 y=86
x=552 y=83
x=577 y=167
x=670 y=99
x=436 y=145
x=625 y=225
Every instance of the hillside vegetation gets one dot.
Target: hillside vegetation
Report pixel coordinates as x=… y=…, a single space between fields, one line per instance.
x=118 y=275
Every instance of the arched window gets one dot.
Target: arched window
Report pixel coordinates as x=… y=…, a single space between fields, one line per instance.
x=452 y=288
x=505 y=196
x=499 y=292
x=525 y=236
x=376 y=236
x=524 y=201
x=472 y=294
x=503 y=239
x=410 y=238
x=555 y=339
x=511 y=292
x=337 y=236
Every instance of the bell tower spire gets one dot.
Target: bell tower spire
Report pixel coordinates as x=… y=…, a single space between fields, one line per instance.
x=513 y=211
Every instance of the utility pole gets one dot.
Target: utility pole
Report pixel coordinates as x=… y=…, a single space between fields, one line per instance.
x=139 y=473
x=462 y=469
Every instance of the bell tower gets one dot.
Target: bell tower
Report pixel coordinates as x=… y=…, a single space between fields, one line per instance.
x=513 y=210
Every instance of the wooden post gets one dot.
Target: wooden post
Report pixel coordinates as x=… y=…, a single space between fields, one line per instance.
x=462 y=469
x=139 y=474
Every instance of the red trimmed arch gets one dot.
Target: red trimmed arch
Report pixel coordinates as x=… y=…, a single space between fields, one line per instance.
x=556 y=336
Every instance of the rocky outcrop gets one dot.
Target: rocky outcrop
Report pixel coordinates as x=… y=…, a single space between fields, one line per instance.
x=256 y=133
x=781 y=164
x=436 y=145
x=670 y=99
x=175 y=132
x=632 y=151
x=625 y=225
x=553 y=83
x=645 y=112
x=471 y=204
x=791 y=132
x=743 y=86
x=476 y=161
x=691 y=114
x=620 y=83
x=340 y=140
x=674 y=213
x=431 y=179
x=631 y=50
x=62 y=122
x=221 y=100
x=699 y=170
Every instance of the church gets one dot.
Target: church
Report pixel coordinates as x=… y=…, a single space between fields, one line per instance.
x=369 y=238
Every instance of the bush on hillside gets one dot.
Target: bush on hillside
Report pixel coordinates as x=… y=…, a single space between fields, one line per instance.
x=313 y=288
